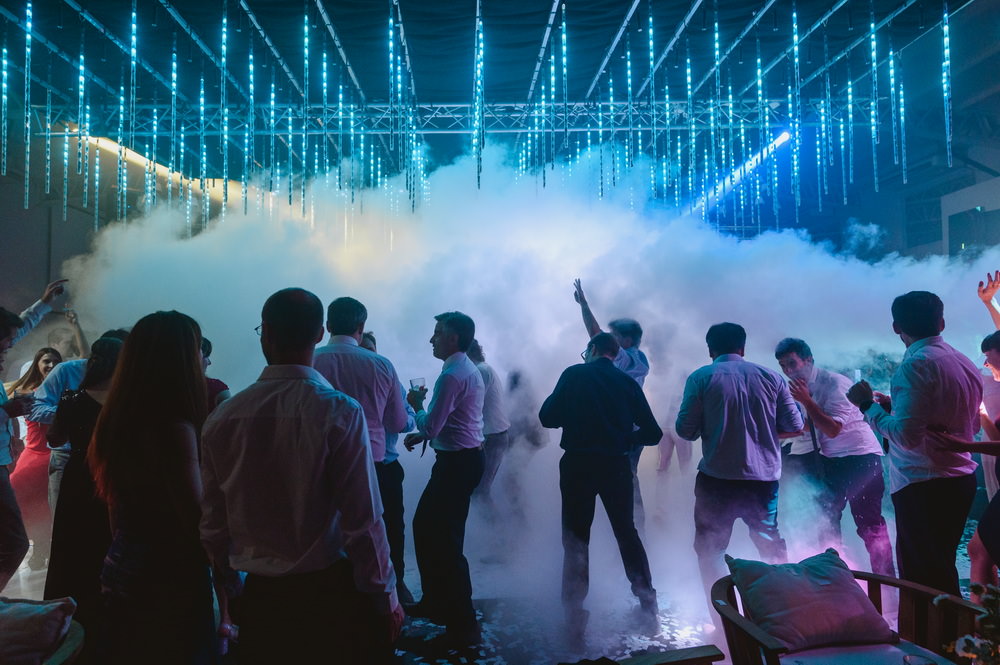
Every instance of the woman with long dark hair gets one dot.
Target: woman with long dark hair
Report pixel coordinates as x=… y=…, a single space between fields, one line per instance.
x=155 y=581
x=30 y=478
x=81 y=534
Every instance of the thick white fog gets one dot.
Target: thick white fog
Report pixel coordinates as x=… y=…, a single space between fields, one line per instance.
x=507 y=255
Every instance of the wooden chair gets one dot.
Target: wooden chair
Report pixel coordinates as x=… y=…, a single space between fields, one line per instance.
x=923 y=625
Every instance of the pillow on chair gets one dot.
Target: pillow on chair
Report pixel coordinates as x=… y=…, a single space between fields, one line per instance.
x=816 y=602
x=30 y=630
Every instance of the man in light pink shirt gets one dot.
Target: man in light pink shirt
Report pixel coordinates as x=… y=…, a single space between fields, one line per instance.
x=932 y=487
x=453 y=423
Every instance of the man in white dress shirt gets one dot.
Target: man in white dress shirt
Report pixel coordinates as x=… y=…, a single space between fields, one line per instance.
x=739 y=410
x=932 y=487
x=453 y=423
x=290 y=497
x=496 y=439
x=849 y=454
x=372 y=380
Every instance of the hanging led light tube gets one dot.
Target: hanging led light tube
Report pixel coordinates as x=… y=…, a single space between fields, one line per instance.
x=27 y=105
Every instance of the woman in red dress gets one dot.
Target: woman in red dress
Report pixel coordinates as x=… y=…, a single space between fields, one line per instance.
x=30 y=478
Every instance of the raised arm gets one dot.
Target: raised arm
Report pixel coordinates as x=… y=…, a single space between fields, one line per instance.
x=589 y=320
x=987 y=293
x=78 y=337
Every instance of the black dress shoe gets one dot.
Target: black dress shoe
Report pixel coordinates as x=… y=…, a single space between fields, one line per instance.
x=423 y=610
x=405 y=597
x=457 y=639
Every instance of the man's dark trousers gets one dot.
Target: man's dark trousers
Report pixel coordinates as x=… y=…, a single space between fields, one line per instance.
x=930 y=520
x=390 y=487
x=439 y=537
x=582 y=478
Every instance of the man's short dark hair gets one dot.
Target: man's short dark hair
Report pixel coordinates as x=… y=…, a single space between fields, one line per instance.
x=345 y=315
x=475 y=352
x=991 y=343
x=460 y=324
x=918 y=314
x=725 y=338
x=294 y=317
x=627 y=328
x=206 y=347
x=9 y=322
x=604 y=344
x=792 y=345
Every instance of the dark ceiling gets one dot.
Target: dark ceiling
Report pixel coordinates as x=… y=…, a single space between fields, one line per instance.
x=439 y=40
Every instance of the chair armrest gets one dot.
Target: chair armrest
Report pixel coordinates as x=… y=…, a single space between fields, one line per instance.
x=731 y=616
x=702 y=655
x=918 y=589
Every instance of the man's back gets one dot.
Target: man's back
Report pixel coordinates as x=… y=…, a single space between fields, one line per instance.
x=370 y=379
x=935 y=387
x=597 y=406
x=289 y=479
x=737 y=408
x=494 y=408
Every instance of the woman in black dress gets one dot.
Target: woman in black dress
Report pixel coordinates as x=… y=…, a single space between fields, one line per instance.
x=80 y=531
x=155 y=582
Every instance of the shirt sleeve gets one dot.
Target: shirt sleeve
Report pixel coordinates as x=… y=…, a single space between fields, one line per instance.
x=31 y=317
x=214 y=525
x=357 y=494
x=431 y=421
x=911 y=401
x=788 y=417
x=553 y=414
x=648 y=432
x=411 y=415
x=395 y=418
x=47 y=396
x=689 y=418
x=831 y=397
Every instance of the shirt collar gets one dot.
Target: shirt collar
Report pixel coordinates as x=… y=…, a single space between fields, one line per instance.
x=728 y=357
x=454 y=359
x=344 y=339
x=813 y=373
x=291 y=372
x=921 y=343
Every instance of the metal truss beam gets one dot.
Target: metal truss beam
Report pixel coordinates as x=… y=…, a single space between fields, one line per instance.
x=499 y=118
x=97 y=25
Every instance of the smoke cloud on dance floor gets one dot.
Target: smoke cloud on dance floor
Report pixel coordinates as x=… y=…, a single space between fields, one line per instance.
x=507 y=255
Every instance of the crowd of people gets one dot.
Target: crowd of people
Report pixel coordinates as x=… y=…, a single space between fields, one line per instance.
x=274 y=517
